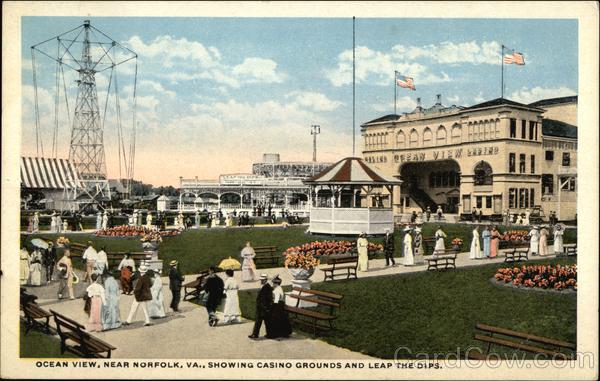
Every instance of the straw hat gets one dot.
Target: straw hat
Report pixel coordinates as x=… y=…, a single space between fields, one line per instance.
x=173 y=263
x=143 y=269
x=263 y=276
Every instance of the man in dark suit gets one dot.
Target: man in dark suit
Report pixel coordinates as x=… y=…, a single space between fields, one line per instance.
x=175 y=281
x=142 y=295
x=388 y=248
x=264 y=304
x=213 y=287
x=49 y=260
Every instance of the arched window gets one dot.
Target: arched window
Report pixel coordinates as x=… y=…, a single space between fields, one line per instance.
x=441 y=135
x=483 y=174
x=427 y=136
x=456 y=133
x=400 y=140
x=414 y=138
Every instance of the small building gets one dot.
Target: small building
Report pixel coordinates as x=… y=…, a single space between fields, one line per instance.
x=351 y=197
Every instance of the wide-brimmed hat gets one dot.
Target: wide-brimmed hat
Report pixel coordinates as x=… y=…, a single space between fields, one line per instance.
x=418 y=229
x=277 y=280
x=407 y=229
x=173 y=263
x=263 y=276
x=143 y=269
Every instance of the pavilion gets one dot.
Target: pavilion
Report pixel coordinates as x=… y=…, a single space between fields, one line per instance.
x=351 y=197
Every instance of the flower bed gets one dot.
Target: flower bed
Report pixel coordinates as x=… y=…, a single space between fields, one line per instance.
x=319 y=248
x=555 y=277
x=134 y=231
x=301 y=261
x=515 y=236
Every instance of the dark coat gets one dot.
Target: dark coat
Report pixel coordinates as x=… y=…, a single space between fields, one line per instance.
x=214 y=288
x=264 y=300
x=142 y=288
x=388 y=244
x=175 y=279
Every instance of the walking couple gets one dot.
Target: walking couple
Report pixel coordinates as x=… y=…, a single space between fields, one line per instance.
x=270 y=309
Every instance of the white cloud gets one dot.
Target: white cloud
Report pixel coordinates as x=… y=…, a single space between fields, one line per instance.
x=478 y=98
x=454 y=99
x=378 y=68
x=449 y=52
x=157 y=87
x=255 y=69
x=526 y=95
x=313 y=100
x=171 y=50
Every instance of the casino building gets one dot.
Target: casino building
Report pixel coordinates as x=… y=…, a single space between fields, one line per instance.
x=491 y=156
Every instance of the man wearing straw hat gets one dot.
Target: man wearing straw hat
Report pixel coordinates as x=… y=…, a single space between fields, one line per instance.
x=388 y=248
x=264 y=305
x=175 y=281
x=142 y=295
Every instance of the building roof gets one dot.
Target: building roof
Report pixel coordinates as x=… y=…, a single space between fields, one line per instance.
x=352 y=170
x=551 y=127
x=554 y=101
x=117 y=185
x=498 y=102
x=48 y=173
x=385 y=118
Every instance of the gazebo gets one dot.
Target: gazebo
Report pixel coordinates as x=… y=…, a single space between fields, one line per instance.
x=351 y=197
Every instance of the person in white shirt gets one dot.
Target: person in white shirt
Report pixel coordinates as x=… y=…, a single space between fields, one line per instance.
x=231 y=311
x=280 y=324
x=90 y=255
x=101 y=264
x=95 y=292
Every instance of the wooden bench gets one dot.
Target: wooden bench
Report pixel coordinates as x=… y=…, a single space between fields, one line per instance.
x=569 y=250
x=520 y=341
x=85 y=345
x=194 y=288
x=32 y=312
x=313 y=317
x=77 y=249
x=266 y=255
x=517 y=253
x=442 y=260
x=347 y=264
x=428 y=244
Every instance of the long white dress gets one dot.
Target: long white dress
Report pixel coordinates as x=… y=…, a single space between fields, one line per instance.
x=104 y=221
x=156 y=307
x=558 y=241
x=231 y=311
x=24 y=266
x=534 y=241
x=101 y=263
x=362 y=245
x=53 y=224
x=475 y=252
x=98 y=221
x=409 y=258
x=35 y=268
x=149 y=221
x=439 y=240
x=248 y=267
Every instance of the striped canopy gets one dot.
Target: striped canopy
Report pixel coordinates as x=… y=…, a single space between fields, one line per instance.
x=47 y=173
x=352 y=170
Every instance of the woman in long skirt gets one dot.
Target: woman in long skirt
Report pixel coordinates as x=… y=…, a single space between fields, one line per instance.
x=95 y=292
x=231 y=311
x=65 y=270
x=558 y=239
x=409 y=258
x=248 y=266
x=534 y=240
x=486 y=237
x=543 y=248
x=35 y=268
x=24 y=266
x=111 y=314
x=280 y=324
x=475 y=252
x=156 y=307
x=362 y=245
x=439 y=241
x=495 y=244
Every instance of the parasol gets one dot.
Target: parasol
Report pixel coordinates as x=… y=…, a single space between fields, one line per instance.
x=38 y=242
x=230 y=264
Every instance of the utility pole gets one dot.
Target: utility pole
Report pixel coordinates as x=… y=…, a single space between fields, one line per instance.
x=315 y=130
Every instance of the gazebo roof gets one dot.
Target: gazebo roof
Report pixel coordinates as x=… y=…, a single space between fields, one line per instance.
x=353 y=171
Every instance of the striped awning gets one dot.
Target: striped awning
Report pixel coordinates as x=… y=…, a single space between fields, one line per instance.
x=47 y=173
x=352 y=170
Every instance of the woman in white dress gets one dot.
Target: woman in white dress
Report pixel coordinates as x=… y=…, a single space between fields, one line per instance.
x=35 y=268
x=248 y=267
x=475 y=252
x=543 y=243
x=53 y=223
x=409 y=258
x=104 y=221
x=231 y=311
x=156 y=307
x=96 y=293
x=98 y=220
x=558 y=239
x=439 y=240
x=362 y=246
x=534 y=240
x=24 y=265
x=149 y=220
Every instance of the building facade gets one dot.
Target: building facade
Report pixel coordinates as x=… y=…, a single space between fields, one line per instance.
x=489 y=157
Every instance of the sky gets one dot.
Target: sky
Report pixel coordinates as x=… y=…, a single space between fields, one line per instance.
x=214 y=94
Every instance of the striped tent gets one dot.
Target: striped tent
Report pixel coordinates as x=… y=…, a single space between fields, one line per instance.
x=352 y=170
x=47 y=173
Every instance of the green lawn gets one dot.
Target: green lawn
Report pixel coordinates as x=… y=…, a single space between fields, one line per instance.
x=40 y=345
x=198 y=249
x=436 y=312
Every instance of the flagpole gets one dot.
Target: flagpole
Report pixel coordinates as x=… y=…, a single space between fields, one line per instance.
x=502 y=77
x=353 y=85
x=395 y=90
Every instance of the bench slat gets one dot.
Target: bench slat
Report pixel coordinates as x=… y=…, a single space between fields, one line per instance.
x=315 y=300
x=527 y=336
x=310 y=313
x=514 y=345
x=327 y=294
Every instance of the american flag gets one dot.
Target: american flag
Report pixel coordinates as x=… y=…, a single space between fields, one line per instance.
x=406 y=82
x=514 y=58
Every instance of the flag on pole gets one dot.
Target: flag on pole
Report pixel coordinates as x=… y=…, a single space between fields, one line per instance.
x=406 y=82
x=513 y=57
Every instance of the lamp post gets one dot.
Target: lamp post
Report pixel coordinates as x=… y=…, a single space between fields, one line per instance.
x=315 y=130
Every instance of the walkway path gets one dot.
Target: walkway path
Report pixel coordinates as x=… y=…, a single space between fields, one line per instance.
x=187 y=334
